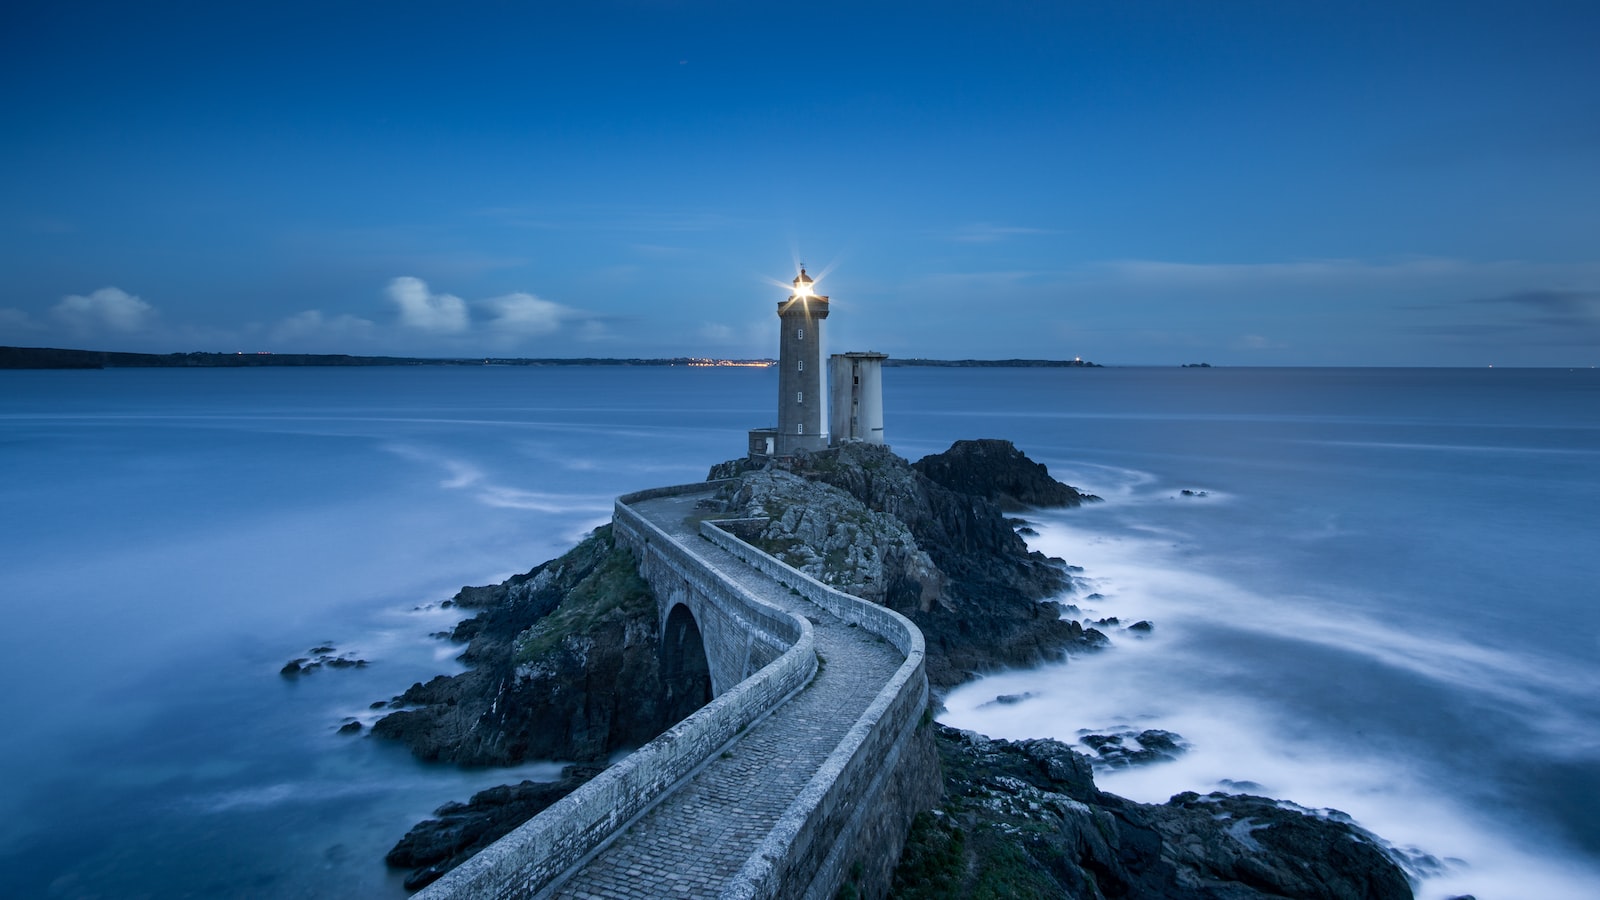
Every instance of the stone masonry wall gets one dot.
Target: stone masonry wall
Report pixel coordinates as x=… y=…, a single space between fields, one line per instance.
x=851 y=820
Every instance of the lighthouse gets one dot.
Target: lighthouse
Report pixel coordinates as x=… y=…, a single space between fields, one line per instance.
x=800 y=397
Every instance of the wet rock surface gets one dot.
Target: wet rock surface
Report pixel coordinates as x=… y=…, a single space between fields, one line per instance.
x=458 y=830
x=1130 y=748
x=324 y=654
x=1024 y=819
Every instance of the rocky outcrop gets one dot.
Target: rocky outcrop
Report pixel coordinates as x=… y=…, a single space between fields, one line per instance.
x=830 y=535
x=951 y=562
x=998 y=471
x=435 y=846
x=1025 y=819
x=564 y=665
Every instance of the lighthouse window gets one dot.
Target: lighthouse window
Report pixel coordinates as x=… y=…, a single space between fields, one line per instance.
x=799 y=334
x=800 y=429
x=801 y=363
x=799 y=396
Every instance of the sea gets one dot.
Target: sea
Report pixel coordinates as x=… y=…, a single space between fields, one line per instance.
x=1370 y=590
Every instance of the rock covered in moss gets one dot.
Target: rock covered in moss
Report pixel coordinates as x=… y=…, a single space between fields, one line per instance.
x=563 y=666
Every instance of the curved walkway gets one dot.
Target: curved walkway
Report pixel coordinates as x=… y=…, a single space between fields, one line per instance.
x=697 y=838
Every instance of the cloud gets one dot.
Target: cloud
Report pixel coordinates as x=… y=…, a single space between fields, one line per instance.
x=525 y=315
x=424 y=310
x=108 y=309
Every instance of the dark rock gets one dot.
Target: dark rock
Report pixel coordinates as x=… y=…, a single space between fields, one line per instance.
x=1025 y=819
x=733 y=468
x=1188 y=493
x=378 y=704
x=351 y=727
x=1165 y=743
x=321 y=651
x=1153 y=745
x=294 y=667
x=1108 y=622
x=435 y=846
x=998 y=471
x=1142 y=626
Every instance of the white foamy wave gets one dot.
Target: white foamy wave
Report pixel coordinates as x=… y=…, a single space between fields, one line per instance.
x=1108 y=482
x=1146 y=578
x=1170 y=681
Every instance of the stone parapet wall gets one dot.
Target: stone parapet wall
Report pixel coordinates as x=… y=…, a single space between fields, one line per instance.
x=740 y=633
x=546 y=846
x=851 y=820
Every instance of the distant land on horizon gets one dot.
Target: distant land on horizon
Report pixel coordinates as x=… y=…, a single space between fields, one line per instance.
x=55 y=358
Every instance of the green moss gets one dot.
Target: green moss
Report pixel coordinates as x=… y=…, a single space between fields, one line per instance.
x=934 y=861
x=611 y=592
x=941 y=861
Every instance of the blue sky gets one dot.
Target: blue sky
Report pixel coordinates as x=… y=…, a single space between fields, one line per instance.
x=1267 y=183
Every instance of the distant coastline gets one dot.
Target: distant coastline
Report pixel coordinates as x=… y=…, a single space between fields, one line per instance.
x=55 y=358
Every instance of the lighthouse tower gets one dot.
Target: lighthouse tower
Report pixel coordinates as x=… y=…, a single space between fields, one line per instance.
x=800 y=398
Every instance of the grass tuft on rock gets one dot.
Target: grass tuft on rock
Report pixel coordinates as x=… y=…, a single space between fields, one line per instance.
x=613 y=591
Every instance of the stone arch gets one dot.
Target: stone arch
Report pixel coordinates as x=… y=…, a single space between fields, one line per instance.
x=685 y=671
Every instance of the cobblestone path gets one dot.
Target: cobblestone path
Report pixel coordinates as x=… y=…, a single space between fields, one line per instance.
x=697 y=838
